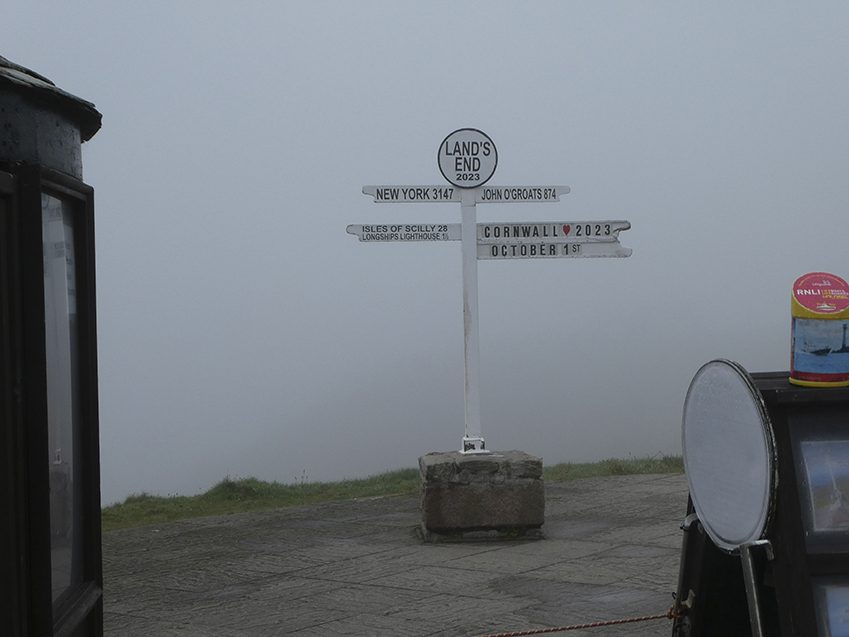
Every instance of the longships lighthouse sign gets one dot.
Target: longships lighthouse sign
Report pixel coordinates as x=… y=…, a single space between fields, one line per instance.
x=467 y=158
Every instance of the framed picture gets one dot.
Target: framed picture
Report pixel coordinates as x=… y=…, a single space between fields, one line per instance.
x=832 y=607
x=826 y=475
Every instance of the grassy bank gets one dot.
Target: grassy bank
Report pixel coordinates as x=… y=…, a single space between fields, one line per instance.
x=614 y=467
x=250 y=494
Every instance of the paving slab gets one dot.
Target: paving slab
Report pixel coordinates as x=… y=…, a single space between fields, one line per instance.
x=610 y=550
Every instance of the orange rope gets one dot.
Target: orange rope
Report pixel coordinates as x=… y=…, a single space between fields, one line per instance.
x=670 y=614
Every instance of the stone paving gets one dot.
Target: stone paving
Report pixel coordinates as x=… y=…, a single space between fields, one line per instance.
x=611 y=549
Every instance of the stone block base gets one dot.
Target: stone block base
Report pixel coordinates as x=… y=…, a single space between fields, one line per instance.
x=499 y=495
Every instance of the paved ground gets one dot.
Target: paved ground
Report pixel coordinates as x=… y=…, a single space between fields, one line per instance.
x=611 y=550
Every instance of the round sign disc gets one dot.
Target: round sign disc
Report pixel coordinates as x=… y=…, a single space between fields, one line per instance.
x=467 y=158
x=729 y=454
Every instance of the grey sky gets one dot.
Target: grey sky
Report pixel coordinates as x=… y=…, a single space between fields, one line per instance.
x=243 y=332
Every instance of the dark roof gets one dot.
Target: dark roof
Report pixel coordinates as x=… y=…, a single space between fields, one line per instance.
x=42 y=90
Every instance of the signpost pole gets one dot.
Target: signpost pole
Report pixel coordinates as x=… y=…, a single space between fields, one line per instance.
x=473 y=441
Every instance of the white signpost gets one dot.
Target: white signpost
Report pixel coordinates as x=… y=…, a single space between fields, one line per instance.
x=467 y=159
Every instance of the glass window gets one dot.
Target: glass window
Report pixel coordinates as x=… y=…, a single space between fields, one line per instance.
x=832 y=606
x=63 y=409
x=826 y=464
x=821 y=463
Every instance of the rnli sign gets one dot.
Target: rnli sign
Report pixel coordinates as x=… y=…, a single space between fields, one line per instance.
x=467 y=158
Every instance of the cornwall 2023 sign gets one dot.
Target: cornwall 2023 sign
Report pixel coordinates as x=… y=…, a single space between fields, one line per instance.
x=467 y=158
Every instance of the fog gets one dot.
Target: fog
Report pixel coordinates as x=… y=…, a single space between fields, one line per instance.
x=242 y=332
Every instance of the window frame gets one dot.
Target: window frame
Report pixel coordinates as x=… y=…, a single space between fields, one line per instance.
x=79 y=611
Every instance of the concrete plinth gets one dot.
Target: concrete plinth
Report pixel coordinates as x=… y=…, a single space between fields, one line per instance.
x=481 y=496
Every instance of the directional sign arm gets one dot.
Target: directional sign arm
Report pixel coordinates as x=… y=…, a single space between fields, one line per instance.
x=405 y=232
x=551 y=231
x=520 y=194
x=413 y=194
x=569 y=250
x=505 y=234
x=553 y=239
x=447 y=194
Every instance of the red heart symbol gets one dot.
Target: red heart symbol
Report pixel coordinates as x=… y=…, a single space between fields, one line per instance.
x=567 y=229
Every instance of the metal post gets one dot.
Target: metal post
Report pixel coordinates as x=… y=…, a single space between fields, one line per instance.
x=751 y=582
x=473 y=439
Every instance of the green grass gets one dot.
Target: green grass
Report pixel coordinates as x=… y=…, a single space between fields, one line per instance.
x=614 y=467
x=249 y=494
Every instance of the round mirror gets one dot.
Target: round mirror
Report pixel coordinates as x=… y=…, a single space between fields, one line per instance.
x=729 y=454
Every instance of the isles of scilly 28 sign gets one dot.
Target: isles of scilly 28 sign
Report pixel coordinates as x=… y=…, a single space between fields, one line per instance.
x=467 y=158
